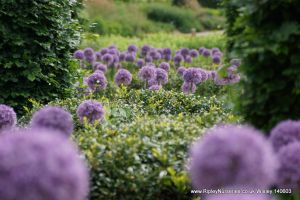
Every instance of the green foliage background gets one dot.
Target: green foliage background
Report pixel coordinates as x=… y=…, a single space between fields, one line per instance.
x=37 y=38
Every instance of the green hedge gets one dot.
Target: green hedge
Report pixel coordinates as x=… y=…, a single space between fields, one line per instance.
x=266 y=35
x=37 y=38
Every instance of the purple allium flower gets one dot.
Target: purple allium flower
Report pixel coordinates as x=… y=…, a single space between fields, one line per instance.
x=238 y=196
x=232 y=155
x=188 y=59
x=92 y=110
x=188 y=87
x=201 y=50
x=116 y=59
x=90 y=59
x=167 y=51
x=53 y=118
x=112 y=46
x=122 y=56
x=204 y=75
x=147 y=72
x=145 y=49
x=231 y=69
x=88 y=52
x=132 y=49
x=289 y=170
x=79 y=55
x=216 y=60
x=96 y=82
x=155 y=87
x=215 y=50
x=104 y=51
x=184 y=52
x=108 y=59
x=8 y=117
x=194 y=53
x=236 y=62
x=181 y=71
x=98 y=56
x=130 y=57
x=165 y=66
x=148 y=59
x=167 y=57
x=152 y=81
x=152 y=52
x=37 y=164
x=161 y=76
x=206 y=53
x=218 y=54
x=192 y=75
x=284 y=133
x=113 y=51
x=140 y=63
x=178 y=58
x=100 y=66
x=123 y=77
x=157 y=56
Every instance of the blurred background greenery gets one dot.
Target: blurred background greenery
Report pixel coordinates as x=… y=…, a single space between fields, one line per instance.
x=137 y=17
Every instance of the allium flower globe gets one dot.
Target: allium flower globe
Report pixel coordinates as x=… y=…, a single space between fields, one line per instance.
x=41 y=166
x=194 y=53
x=232 y=155
x=122 y=56
x=204 y=75
x=161 y=76
x=165 y=66
x=88 y=52
x=147 y=72
x=96 y=82
x=284 y=133
x=92 y=110
x=184 y=52
x=216 y=60
x=108 y=59
x=188 y=59
x=181 y=71
x=289 y=170
x=79 y=55
x=215 y=50
x=206 y=53
x=123 y=77
x=104 y=51
x=192 y=75
x=101 y=67
x=98 y=56
x=167 y=51
x=177 y=59
x=130 y=57
x=201 y=50
x=8 y=117
x=53 y=118
x=132 y=48
x=145 y=49
x=148 y=59
x=140 y=63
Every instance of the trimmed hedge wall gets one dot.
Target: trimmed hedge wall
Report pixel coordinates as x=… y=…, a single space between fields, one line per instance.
x=36 y=40
x=266 y=35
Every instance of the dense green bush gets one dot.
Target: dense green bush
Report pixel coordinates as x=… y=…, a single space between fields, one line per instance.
x=210 y=3
x=36 y=40
x=266 y=35
x=140 y=150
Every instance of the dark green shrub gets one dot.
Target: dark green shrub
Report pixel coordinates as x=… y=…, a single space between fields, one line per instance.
x=37 y=38
x=210 y=3
x=266 y=35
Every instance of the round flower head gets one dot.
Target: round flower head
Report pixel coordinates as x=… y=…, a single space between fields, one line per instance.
x=104 y=51
x=181 y=71
x=152 y=52
x=178 y=58
x=188 y=87
x=232 y=155
x=113 y=51
x=289 y=170
x=155 y=87
x=188 y=59
x=91 y=110
x=147 y=72
x=96 y=82
x=201 y=50
x=167 y=57
x=194 y=53
x=38 y=164
x=100 y=66
x=215 y=50
x=236 y=62
x=98 y=56
x=192 y=75
x=112 y=46
x=53 y=118
x=123 y=77
x=167 y=51
x=161 y=76
x=184 y=52
x=148 y=59
x=165 y=66
x=216 y=60
x=108 y=59
x=79 y=55
x=237 y=196
x=231 y=69
x=88 y=52
x=90 y=59
x=116 y=59
x=206 y=53
x=145 y=49
x=140 y=63
x=204 y=75
x=132 y=48
x=157 y=56
x=130 y=57
x=8 y=117
x=284 y=133
x=152 y=82
x=122 y=56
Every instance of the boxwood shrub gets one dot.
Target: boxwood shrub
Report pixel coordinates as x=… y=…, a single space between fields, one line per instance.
x=35 y=47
